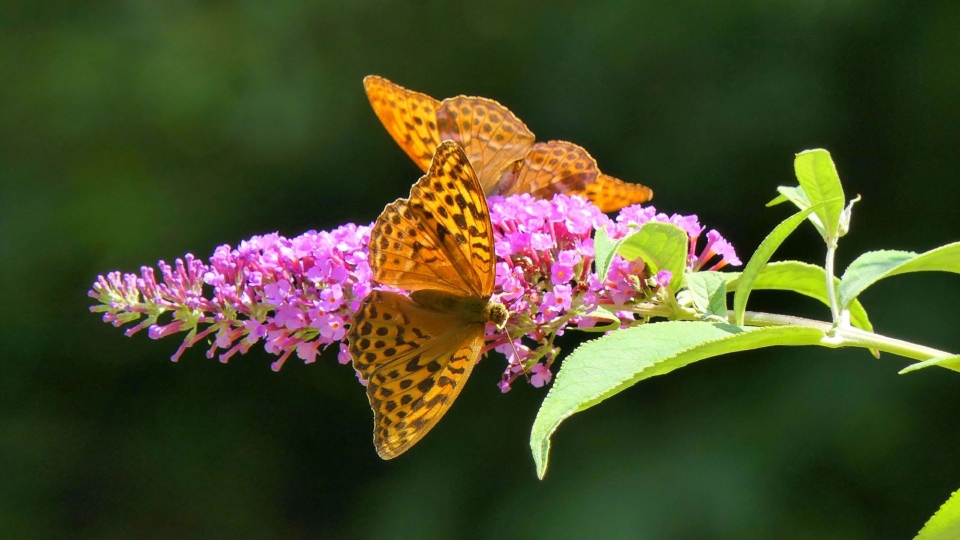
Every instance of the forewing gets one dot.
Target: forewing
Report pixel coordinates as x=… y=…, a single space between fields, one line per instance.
x=492 y=136
x=410 y=117
x=612 y=194
x=554 y=167
x=415 y=362
x=441 y=238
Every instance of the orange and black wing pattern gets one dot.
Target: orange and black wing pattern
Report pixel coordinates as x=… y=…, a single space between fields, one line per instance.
x=498 y=144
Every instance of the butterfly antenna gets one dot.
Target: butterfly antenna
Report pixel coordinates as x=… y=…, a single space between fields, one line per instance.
x=516 y=354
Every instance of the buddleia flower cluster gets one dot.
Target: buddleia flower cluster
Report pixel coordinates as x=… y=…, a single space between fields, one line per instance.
x=298 y=295
x=546 y=277
x=295 y=294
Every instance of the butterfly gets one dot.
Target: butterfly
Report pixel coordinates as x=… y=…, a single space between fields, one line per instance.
x=499 y=146
x=416 y=352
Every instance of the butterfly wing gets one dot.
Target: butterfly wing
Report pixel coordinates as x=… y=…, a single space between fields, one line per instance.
x=492 y=136
x=415 y=361
x=410 y=117
x=611 y=194
x=498 y=144
x=441 y=238
x=553 y=167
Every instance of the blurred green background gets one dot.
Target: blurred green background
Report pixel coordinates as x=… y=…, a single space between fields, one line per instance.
x=132 y=131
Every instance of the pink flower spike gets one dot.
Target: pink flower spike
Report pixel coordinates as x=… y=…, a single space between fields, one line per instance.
x=663 y=278
x=717 y=245
x=276 y=366
x=297 y=295
x=331 y=298
x=728 y=255
x=254 y=329
x=307 y=351
x=290 y=316
x=344 y=355
x=276 y=293
x=561 y=272
x=157 y=331
x=689 y=224
x=636 y=214
x=330 y=326
x=540 y=375
x=225 y=357
x=557 y=301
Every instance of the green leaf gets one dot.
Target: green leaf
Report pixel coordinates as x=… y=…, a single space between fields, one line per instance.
x=820 y=182
x=806 y=279
x=762 y=256
x=779 y=199
x=800 y=200
x=876 y=265
x=793 y=194
x=604 y=248
x=662 y=246
x=945 y=524
x=608 y=365
x=949 y=362
x=709 y=291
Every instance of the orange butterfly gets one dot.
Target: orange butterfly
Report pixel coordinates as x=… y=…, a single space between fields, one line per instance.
x=500 y=147
x=416 y=352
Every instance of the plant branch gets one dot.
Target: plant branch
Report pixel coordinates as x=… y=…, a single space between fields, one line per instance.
x=848 y=336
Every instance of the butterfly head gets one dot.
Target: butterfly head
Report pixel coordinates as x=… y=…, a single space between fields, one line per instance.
x=496 y=313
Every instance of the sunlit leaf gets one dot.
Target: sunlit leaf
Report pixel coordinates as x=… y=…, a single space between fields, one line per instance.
x=709 y=292
x=945 y=524
x=662 y=246
x=873 y=266
x=821 y=184
x=949 y=362
x=604 y=248
x=608 y=365
x=802 y=278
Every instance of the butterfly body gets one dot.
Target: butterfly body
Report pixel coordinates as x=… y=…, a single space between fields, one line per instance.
x=471 y=308
x=501 y=148
x=416 y=351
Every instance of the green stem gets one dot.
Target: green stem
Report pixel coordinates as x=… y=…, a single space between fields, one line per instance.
x=650 y=309
x=861 y=338
x=831 y=285
x=848 y=336
x=757 y=318
x=838 y=335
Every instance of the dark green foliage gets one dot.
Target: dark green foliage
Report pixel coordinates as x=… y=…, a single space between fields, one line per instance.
x=132 y=131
